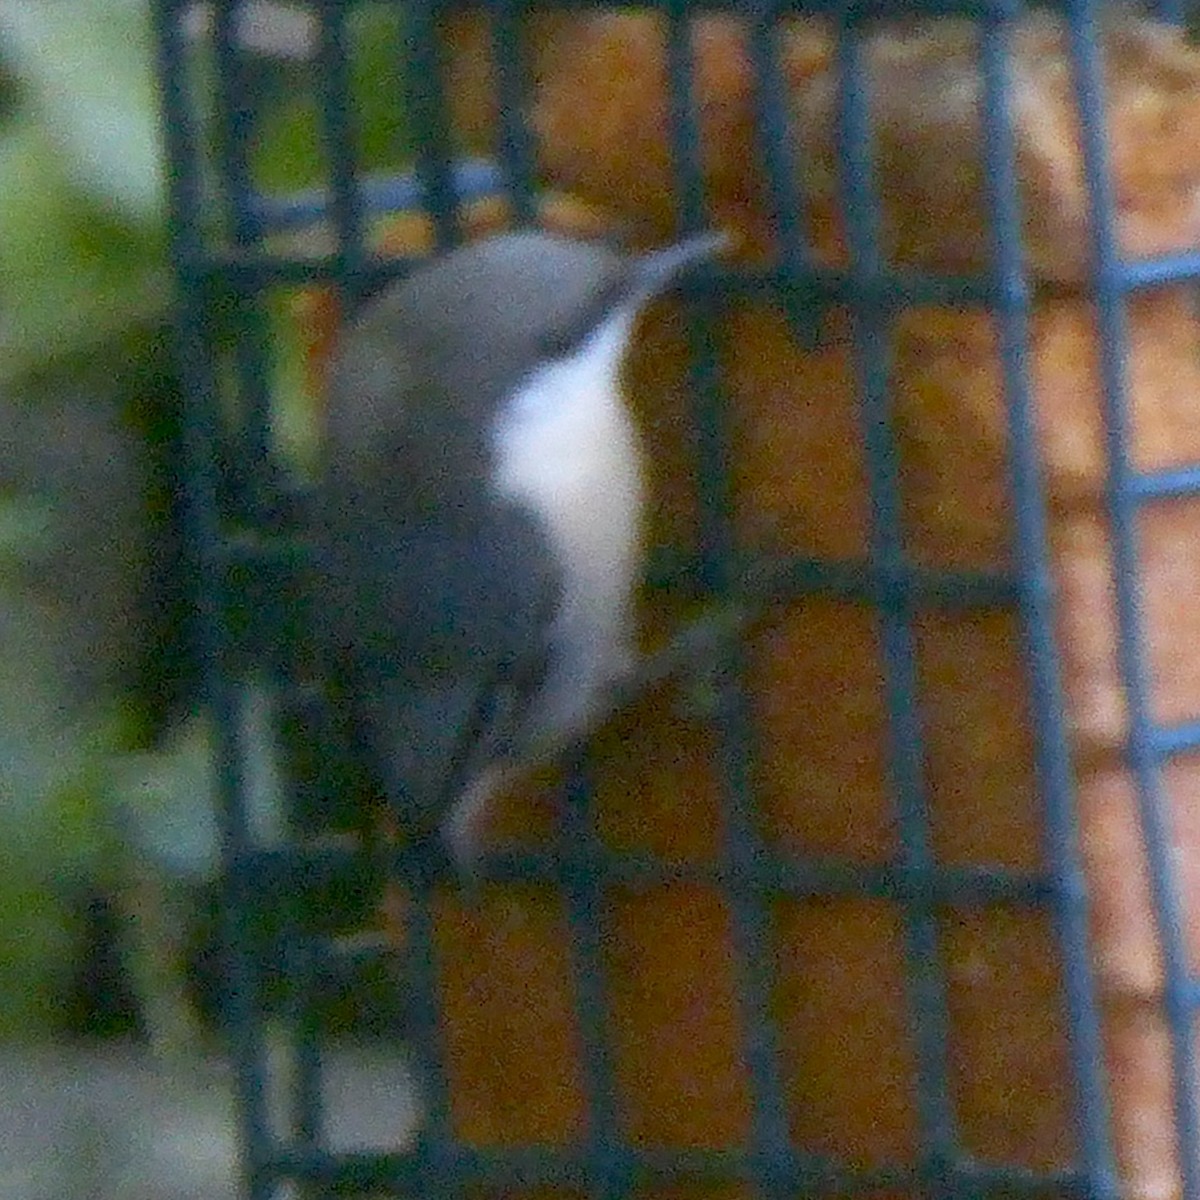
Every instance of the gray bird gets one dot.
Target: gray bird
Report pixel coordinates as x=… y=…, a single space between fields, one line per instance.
x=479 y=517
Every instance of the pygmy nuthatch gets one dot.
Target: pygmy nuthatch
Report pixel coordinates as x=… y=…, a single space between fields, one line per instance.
x=479 y=517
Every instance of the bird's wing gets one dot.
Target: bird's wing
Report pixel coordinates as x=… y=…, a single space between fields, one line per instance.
x=444 y=636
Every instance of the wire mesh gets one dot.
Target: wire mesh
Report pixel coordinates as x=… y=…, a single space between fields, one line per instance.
x=220 y=222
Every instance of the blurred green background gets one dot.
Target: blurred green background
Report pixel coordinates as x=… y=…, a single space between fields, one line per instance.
x=106 y=822
x=87 y=392
x=109 y=1044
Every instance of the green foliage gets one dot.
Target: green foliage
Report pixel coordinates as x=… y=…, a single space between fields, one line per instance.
x=81 y=247
x=377 y=88
x=83 y=275
x=291 y=152
x=85 y=300
x=53 y=830
x=84 y=67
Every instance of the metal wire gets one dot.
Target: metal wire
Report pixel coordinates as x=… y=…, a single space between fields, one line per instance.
x=186 y=223
x=1051 y=737
x=929 y=1019
x=749 y=875
x=1123 y=504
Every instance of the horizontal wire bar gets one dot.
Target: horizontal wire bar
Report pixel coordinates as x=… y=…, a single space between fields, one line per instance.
x=1174 y=483
x=1171 y=741
x=809 y=1175
x=287 y=869
x=248 y=272
x=772 y=579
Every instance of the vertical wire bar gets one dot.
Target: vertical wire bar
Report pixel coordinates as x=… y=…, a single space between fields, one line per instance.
x=609 y=1171
x=436 y=1161
x=428 y=114
x=712 y=451
x=235 y=129
x=340 y=137
x=185 y=218
x=776 y=137
x=237 y=119
x=344 y=214
x=1052 y=746
x=516 y=145
x=608 y=1160
x=928 y=1014
x=777 y=146
x=1142 y=759
x=743 y=846
x=306 y=1115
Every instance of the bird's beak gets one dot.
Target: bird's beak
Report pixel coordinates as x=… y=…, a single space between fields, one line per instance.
x=661 y=269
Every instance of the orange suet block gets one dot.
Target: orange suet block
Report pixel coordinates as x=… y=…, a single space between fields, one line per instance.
x=820 y=771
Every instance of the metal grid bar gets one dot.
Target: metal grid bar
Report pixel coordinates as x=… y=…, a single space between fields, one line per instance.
x=434 y=1158
x=234 y=125
x=607 y=1156
x=742 y=844
x=339 y=140
x=1172 y=741
x=185 y=218
x=1052 y=746
x=515 y=150
x=306 y=1108
x=345 y=202
x=887 y=581
x=929 y=1021
x=807 y=1175
x=773 y=127
x=433 y=153
x=281 y=872
x=474 y=179
x=1141 y=755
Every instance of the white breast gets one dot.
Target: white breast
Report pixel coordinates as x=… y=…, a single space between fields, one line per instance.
x=567 y=449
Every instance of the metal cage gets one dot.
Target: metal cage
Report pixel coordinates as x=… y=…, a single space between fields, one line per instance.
x=220 y=224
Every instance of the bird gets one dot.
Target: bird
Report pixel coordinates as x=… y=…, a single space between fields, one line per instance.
x=478 y=519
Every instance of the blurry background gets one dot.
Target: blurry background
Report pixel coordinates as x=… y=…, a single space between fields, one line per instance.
x=114 y=1084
